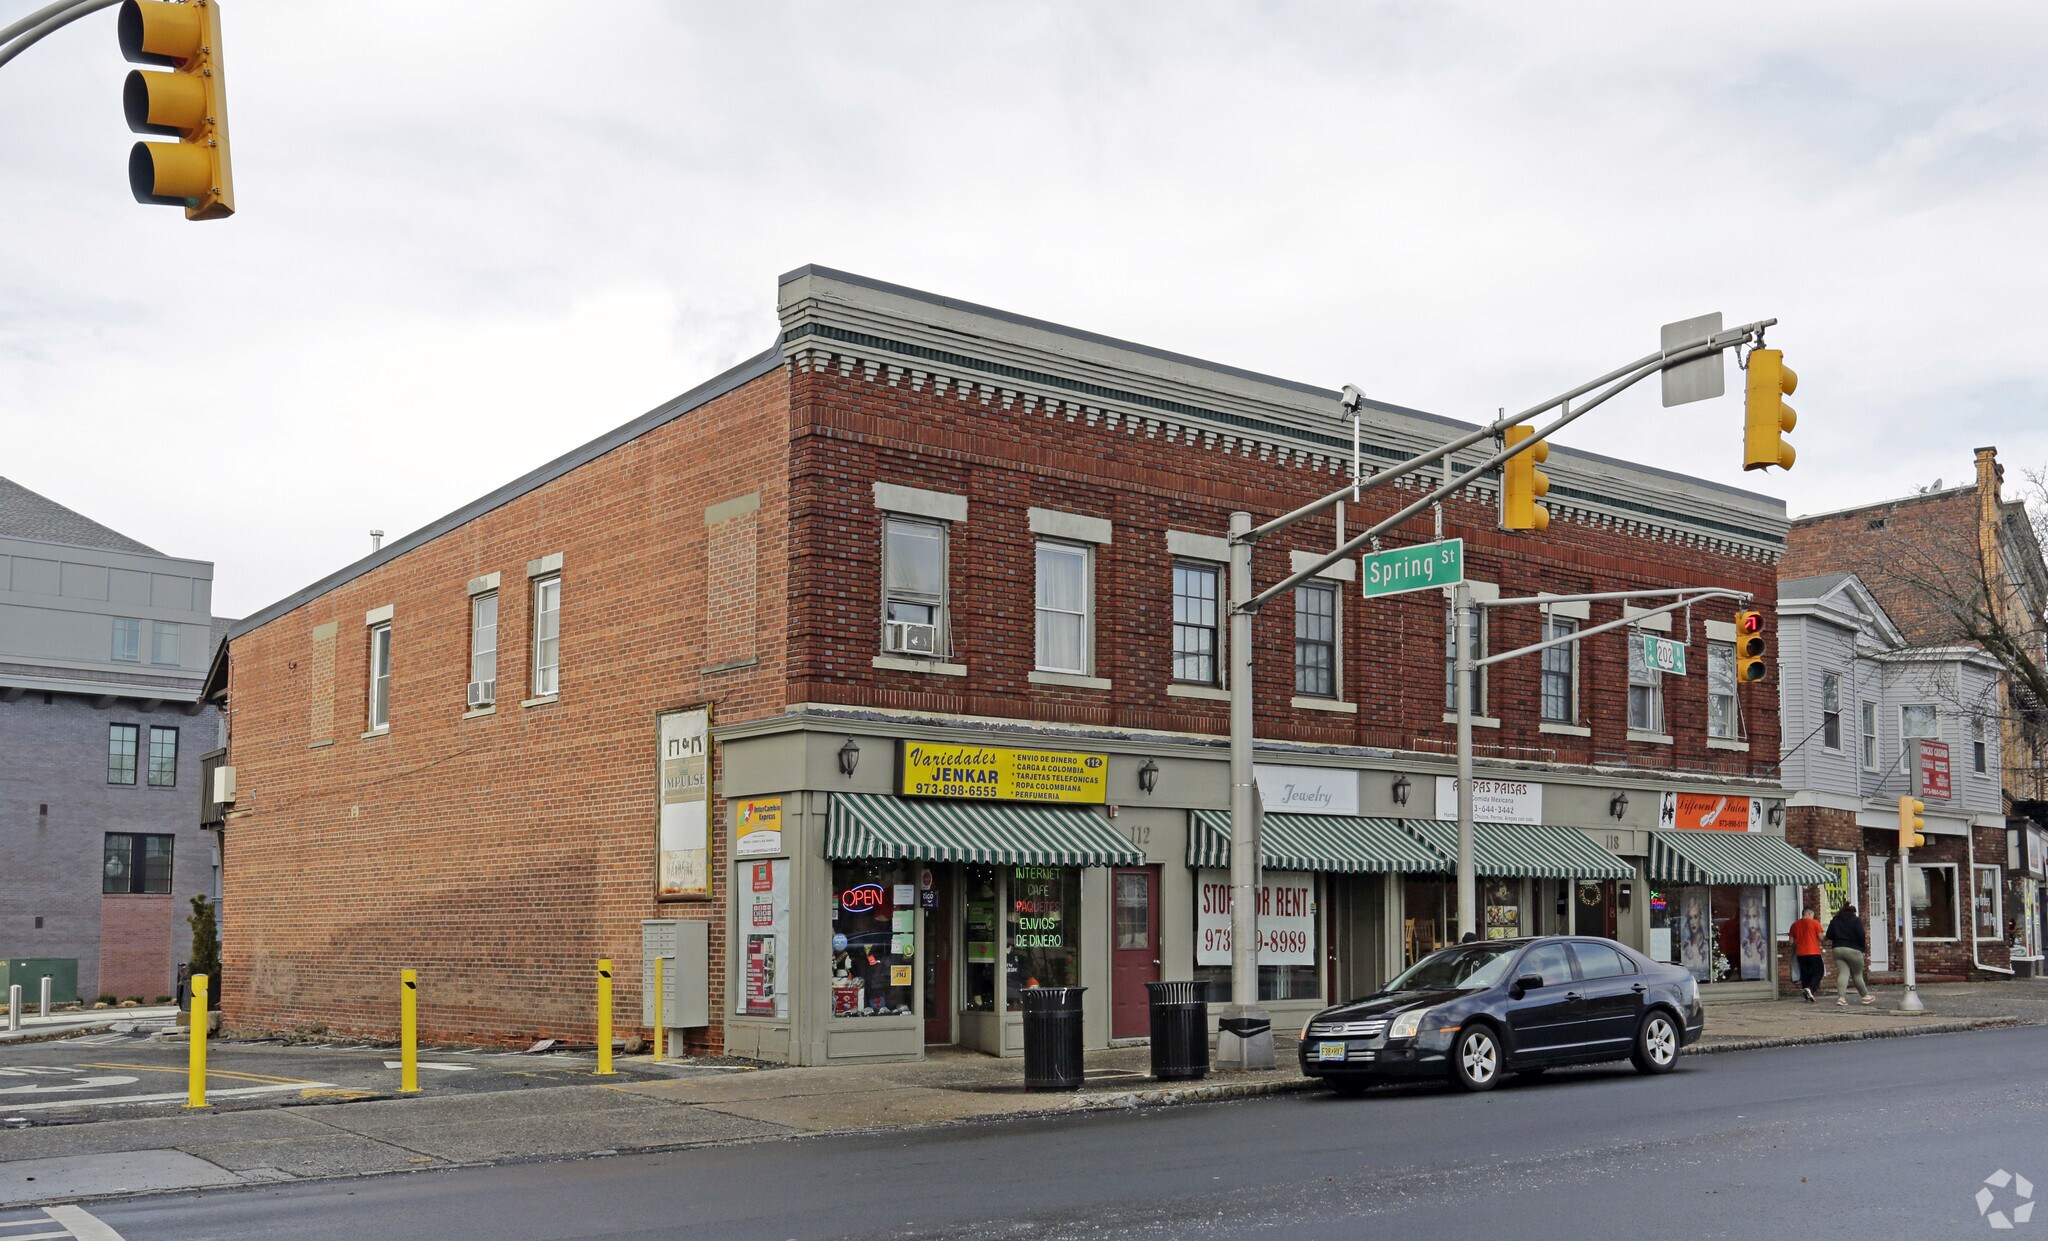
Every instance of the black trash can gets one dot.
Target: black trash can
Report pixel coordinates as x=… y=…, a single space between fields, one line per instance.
x=1052 y=1038
x=1180 y=1030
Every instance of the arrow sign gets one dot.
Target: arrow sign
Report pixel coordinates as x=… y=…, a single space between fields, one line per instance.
x=428 y=1064
x=1664 y=655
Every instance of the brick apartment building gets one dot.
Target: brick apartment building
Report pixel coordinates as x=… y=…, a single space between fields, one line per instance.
x=893 y=657
x=103 y=643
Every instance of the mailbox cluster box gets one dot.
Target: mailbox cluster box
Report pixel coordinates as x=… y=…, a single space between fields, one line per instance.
x=686 y=943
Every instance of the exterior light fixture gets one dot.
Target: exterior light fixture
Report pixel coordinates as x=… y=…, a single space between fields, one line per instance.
x=1776 y=814
x=1618 y=805
x=849 y=758
x=1401 y=785
x=1148 y=776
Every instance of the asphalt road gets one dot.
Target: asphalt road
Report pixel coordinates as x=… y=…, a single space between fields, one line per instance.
x=1886 y=1139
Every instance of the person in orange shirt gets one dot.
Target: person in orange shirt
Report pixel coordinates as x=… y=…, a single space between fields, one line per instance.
x=1806 y=948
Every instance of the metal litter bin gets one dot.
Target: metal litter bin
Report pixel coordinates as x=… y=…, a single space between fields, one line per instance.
x=1052 y=1038
x=1180 y=1030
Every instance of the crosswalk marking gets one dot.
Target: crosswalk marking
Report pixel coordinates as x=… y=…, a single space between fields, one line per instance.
x=74 y=1224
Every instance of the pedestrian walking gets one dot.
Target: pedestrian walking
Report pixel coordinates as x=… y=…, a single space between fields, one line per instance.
x=1847 y=935
x=1806 y=950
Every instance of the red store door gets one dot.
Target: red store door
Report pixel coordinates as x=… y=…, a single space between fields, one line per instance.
x=1134 y=949
x=935 y=889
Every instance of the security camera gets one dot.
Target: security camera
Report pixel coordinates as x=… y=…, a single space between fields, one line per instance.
x=1353 y=398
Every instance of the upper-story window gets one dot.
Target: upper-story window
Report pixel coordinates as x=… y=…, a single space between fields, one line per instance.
x=163 y=756
x=1645 y=690
x=1064 y=590
x=1315 y=639
x=1560 y=673
x=163 y=645
x=380 y=677
x=127 y=640
x=1723 y=719
x=1197 y=622
x=547 y=636
x=913 y=586
x=483 y=649
x=136 y=863
x=1917 y=722
x=1831 y=710
x=1868 y=723
x=1475 y=641
x=122 y=742
x=1980 y=758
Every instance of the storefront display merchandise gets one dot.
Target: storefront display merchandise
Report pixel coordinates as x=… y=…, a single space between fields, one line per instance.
x=874 y=938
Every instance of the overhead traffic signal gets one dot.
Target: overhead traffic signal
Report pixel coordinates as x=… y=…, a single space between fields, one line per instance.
x=1521 y=482
x=188 y=103
x=1766 y=417
x=1910 y=823
x=1749 y=647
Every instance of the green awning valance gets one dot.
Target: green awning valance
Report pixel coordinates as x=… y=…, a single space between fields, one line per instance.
x=1329 y=844
x=998 y=833
x=1524 y=850
x=1749 y=858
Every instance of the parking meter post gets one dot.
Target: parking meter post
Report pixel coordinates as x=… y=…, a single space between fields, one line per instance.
x=195 y=1064
x=659 y=995
x=408 y=1032
x=604 y=1017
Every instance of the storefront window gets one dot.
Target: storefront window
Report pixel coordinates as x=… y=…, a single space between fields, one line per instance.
x=874 y=938
x=1289 y=936
x=1718 y=934
x=1934 y=902
x=1425 y=918
x=980 y=928
x=1044 y=929
x=1503 y=901
x=1985 y=903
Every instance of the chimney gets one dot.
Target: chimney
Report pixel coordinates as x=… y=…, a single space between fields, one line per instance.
x=376 y=540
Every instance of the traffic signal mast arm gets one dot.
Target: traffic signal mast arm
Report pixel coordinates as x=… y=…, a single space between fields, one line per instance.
x=44 y=22
x=1617 y=381
x=1687 y=597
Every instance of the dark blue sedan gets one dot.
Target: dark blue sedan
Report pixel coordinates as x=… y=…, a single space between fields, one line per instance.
x=1475 y=1011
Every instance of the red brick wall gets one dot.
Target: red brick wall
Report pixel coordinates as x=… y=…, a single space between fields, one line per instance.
x=501 y=855
x=851 y=431
x=1911 y=554
x=135 y=946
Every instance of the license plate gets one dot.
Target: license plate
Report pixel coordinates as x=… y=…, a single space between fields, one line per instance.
x=1329 y=1051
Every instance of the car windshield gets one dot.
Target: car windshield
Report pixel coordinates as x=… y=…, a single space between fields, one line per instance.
x=1467 y=967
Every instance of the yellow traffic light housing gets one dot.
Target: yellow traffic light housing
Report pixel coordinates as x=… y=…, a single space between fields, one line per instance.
x=188 y=103
x=1749 y=647
x=1521 y=482
x=1910 y=822
x=1766 y=417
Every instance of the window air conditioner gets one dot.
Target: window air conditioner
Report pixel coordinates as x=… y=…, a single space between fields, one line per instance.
x=483 y=693
x=910 y=638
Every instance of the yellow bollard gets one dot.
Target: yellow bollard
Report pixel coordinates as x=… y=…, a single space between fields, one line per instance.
x=604 y=1017
x=658 y=995
x=409 y=1032
x=195 y=1091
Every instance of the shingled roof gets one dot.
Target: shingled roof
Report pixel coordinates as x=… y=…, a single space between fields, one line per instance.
x=26 y=515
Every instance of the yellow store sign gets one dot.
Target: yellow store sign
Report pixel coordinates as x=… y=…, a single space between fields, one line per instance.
x=998 y=773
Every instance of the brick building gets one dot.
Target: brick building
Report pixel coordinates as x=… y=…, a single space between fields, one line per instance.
x=894 y=656
x=103 y=643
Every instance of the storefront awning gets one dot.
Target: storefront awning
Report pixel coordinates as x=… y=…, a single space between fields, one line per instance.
x=1330 y=844
x=997 y=833
x=1524 y=850
x=1731 y=857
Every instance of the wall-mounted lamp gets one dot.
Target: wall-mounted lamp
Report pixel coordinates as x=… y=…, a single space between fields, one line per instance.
x=849 y=758
x=1617 y=805
x=1776 y=814
x=1148 y=776
x=1401 y=786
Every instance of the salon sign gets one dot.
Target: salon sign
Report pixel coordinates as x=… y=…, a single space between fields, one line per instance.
x=999 y=773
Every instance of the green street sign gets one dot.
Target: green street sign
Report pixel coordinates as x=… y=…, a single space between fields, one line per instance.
x=1401 y=569
x=1664 y=655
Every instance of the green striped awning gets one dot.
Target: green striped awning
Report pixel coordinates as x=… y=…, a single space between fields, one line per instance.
x=1731 y=857
x=997 y=833
x=1331 y=844
x=1523 y=850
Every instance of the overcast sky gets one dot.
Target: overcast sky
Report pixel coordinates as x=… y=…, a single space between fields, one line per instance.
x=472 y=236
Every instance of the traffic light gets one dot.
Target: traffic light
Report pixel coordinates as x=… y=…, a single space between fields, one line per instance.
x=1766 y=417
x=189 y=104
x=1521 y=482
x=1749 y=647
x=1910 y=823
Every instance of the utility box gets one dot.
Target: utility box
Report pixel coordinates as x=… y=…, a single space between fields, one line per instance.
x=27 y=973
x=686 y=978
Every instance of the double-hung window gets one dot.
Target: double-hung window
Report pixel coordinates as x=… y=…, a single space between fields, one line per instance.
x=1064 y=590
x=163 y=757
x=1868 y=721
x=1197 y=623
x=1917 y=722
x=163 y=648
x=1722 y=717
x=1980 y=756
x=122 y=742
x=380 y=677
x=1315 y=639
x=483 y=649
x=1831 y=710
x=1645 y=690
x=1475 y=641
x=136 y=863
x=1560 y=673
x=127 y=640
x=547 y=636
x=913 y=586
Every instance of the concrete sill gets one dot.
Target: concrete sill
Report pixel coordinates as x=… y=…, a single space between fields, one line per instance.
x=378 y=732
x=1070 y=680
x=489 y=710
x=1325 y=704
x=1723 y=743
x=1478 y=721
x=731 y=665
x=1564 y=730
x=541 y=701
x=319 y=745
x=1208 y=692
x=1649 y=738
x=930 y=667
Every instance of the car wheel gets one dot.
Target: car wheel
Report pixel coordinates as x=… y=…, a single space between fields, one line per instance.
x=1476 y=1058
x=1656 y=1047
x=1347 y=1087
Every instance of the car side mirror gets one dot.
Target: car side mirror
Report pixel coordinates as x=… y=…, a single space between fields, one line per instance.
x=1527 y=983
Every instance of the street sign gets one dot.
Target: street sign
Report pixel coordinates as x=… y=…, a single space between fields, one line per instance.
x=1401 y=569
x=1664 y=655
x=1700 y=378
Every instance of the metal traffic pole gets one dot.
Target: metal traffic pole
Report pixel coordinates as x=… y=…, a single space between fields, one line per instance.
x=1461 y=637
x=1245 y=1040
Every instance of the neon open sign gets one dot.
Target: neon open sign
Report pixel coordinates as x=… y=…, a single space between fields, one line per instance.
x=863 y=897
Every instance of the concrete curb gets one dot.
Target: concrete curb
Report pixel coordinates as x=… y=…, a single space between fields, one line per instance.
x=1857 y=1036
x=9 y=1038
x=1202 y=1093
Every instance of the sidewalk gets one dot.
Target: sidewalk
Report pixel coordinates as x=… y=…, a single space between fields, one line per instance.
x=75 y=1020
x=157 y=1148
